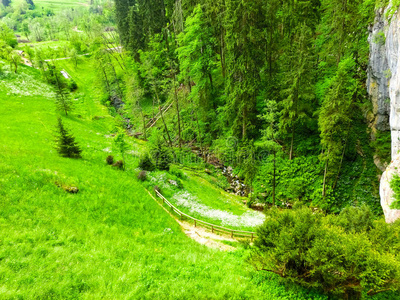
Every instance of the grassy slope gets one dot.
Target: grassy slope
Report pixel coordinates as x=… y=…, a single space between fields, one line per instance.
x=199 y=185
x=57 y=5
x=108 y=241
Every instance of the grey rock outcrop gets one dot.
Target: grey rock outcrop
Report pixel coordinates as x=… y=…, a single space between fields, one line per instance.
x=378 y=83
x=384 y=89
x=393 y=56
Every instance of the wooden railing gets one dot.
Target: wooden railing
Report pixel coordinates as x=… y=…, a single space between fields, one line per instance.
x=238 y=233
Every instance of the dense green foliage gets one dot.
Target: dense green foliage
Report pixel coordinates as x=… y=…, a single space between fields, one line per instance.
x=232 y=60
x=275 y=89
x=110 y=240
x=350 y=254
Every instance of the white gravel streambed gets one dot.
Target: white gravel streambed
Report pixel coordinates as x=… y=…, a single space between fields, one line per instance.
x=247 y=219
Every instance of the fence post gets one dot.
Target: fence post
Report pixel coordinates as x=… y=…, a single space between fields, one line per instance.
x=194 y=223
x=212 y=229
x=252 y=237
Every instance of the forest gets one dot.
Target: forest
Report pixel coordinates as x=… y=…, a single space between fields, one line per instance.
x=128 y=125
x=284 y=79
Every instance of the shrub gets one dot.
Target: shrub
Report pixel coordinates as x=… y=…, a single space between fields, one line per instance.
x=142 y=176
x=65 y=143
x=162 y=156
x=119 y=164
x=110 y=160
x=174 y=170
x=68 y=188
x=72 y=86
x=145 y=163
x=314 y=251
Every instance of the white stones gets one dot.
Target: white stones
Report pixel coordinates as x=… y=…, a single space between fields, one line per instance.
x=248 y=218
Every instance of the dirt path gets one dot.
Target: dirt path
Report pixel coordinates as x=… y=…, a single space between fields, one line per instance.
x=76 y=29
x=206 y=238
x=84 y=4
x=201 y=235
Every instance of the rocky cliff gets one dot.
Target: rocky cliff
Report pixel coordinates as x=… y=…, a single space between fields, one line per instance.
x=384 y=89
x=378 y=81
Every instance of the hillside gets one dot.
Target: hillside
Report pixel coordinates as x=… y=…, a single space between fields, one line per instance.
x=199 y=150
x=110 y=240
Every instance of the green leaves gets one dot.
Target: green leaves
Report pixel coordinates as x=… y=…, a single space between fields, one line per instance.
x=316 y=251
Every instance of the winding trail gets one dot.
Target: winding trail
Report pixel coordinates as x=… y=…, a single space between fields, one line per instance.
x=200 y=235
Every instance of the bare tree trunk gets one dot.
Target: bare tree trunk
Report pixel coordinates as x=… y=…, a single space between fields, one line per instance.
x=274 y=181
x=144 y=124
x=199 y=134
x=244 y=123
x=162 y=117
x=291 y=144
x=105 y=77
x=325 y=172
x=177 y=108
x=341 y=161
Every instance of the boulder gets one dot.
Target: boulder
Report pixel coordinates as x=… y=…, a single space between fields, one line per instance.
x=386 y=193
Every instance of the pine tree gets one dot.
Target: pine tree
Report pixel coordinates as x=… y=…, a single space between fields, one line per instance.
x=299 y=92
x=159 y=152
x=244 y=61
x=65 y=143
x=63 y=97
x=138 y=21
x=122 y=10
x=270 y=118
x=198 y=62
x=335 y=120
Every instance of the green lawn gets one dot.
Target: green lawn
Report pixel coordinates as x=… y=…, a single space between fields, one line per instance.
x=57 y=5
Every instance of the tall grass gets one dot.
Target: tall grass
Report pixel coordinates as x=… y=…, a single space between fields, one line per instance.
x=110 y=240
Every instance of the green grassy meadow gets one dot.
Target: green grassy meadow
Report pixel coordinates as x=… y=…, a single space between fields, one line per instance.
x=109 y=241
x=57 y=5
x=211 y=198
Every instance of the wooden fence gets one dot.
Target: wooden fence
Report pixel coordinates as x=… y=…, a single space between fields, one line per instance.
x=238 y=233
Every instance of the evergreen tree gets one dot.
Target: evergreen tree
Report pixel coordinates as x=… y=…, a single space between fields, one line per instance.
x=122 y=9
x=299 y=93
x=198 y=62
x=159 y=152
x=335 y=120
x=244 y=60
x=65 y=143
x=63 y=97
x=270 y=118
x=138 y=21
x=155 y=69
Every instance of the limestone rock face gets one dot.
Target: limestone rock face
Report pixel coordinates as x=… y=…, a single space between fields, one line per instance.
x=384 y=75
x=386 y=192
x=378 y=83
x=393 y=57
x=384 y=89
